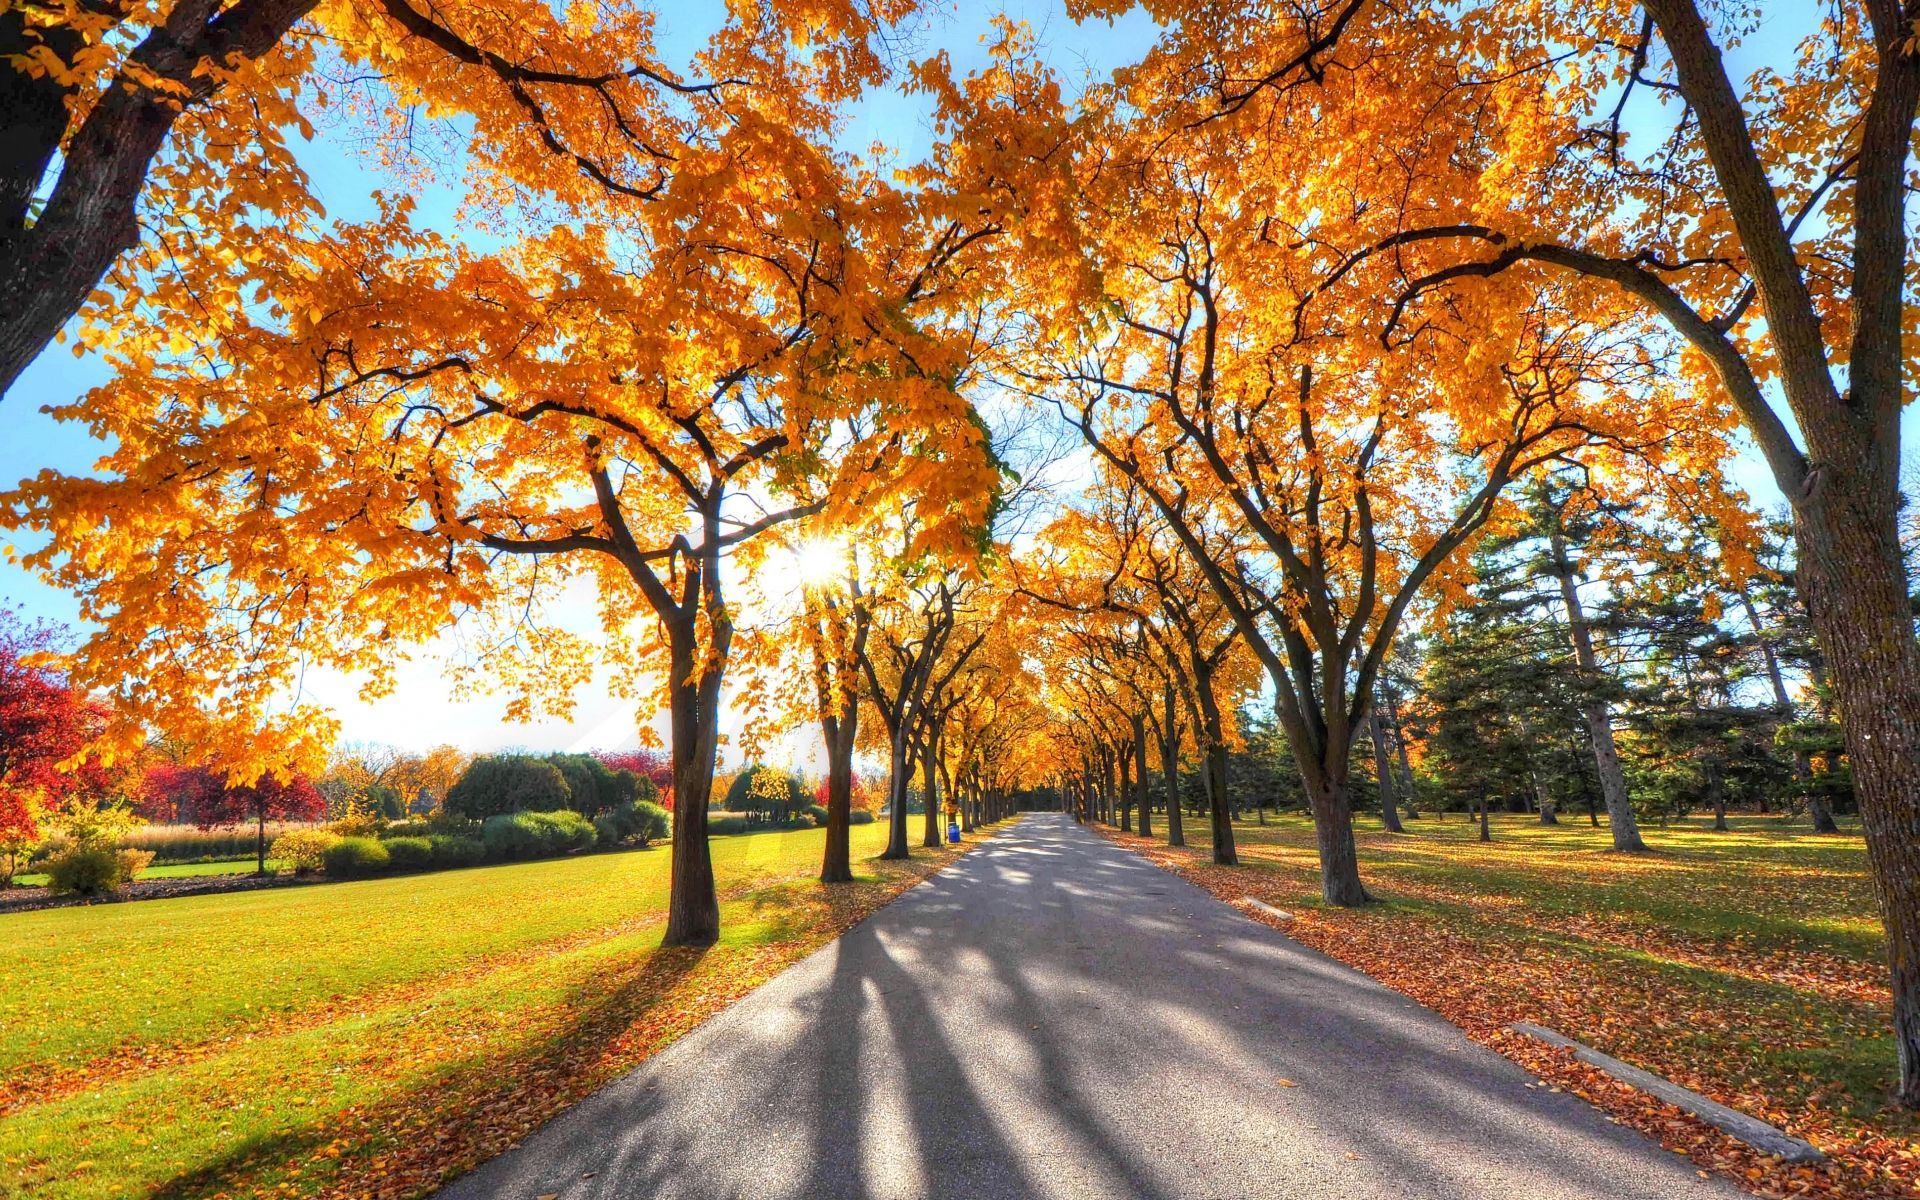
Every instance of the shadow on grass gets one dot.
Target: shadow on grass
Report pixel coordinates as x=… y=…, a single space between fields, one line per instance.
x=472 y=1111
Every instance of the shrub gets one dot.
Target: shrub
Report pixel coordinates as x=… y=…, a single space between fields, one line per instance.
x=595 y=788
x=513 y=836
x=802 y=821
x=504 y=784
x=651 y=822
x=304 y=850
x=355 y=857
x=566 y=831
x=640 y=822
x=721 y=824
x=767 y=793
x=860 y=816
x=456 y=850
x=818 y=812
x=607 y=831
x=94 y=868
x=359 y=821
x=410 y=829
x=409 y=853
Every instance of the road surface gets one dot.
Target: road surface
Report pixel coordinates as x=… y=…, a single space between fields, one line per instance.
x=1055 y=1017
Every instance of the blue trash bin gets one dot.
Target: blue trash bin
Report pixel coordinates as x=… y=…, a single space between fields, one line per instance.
x=953 y=832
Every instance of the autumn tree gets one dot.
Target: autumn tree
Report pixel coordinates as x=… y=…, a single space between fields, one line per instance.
x=164 y=127
x=206 y=797
x=629 y=398
x=46 y=731
x=1308 y=474
x=1618 y=153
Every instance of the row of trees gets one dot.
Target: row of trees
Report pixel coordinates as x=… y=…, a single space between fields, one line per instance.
x=1313 y=340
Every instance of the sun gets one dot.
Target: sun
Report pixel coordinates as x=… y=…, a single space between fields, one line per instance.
x=818 y=562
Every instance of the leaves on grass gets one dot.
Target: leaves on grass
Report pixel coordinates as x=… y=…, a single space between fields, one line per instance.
x=1733 y=1016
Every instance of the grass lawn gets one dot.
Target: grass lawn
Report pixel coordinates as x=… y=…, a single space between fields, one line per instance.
x=237 y=866
x=370 y=1038
x=1747 y=965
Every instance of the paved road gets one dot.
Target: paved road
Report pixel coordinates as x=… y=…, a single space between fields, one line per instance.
x=1055 y=1017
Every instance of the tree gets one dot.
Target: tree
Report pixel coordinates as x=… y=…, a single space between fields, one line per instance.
x=1765 y=225
x=508 y=783
x=45 y=725
x=653 y=766
x=1300 y=466
x=766 y=791
x=593 y=787
x=756 y=352
x=165 y=126
x=208 y=799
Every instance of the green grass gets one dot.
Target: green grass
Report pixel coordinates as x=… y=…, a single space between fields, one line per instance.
x=238 y=866
x=230 y=1038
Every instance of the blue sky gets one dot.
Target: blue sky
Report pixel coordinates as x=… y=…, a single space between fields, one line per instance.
x=420 y=713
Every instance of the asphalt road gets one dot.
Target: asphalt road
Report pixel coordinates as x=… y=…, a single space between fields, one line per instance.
x=1055 y=1017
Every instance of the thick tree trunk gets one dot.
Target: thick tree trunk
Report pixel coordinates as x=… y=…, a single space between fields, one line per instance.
x=1224 y=852
x=693 y=908
x=1383 y=771
x=1856 y=586
x=1486 y=832
x=1606 y=759
x=1141 y=799
x=836 y=864
x=1125 y=755
x=1333 y=832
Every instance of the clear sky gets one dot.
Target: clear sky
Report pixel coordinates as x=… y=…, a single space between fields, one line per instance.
x=420 y=713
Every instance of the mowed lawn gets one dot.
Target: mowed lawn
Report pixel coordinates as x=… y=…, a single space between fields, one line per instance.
x=232 y=866
x=369 y=1038
x=1747 y=965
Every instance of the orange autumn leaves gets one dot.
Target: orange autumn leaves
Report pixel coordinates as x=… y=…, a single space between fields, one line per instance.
x=712 y=308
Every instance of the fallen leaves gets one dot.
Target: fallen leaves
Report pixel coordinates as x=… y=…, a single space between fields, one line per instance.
x=1713 y=1014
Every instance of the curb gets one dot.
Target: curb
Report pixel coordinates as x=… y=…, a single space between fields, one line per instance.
x=1278 y=914
x=1751 y=1130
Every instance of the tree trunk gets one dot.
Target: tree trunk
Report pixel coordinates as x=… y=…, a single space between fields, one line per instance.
x=1486 y=832
x=1383 y=770
x=693 y=908
x=1125 y=754
x=1856 y=587
x=1400 y=748
x=1540 y=797
x=1170 y=767
x=1141 y=799
x=1606 y=759
x=899 y=775
x=930 y=784
x=1333 y=832
x=1222 y=816
x=260 y=839
x=836 y=864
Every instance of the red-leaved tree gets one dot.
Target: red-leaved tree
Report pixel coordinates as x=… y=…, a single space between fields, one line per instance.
x=43 y=724
x=656 y=765
x=203 y=797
